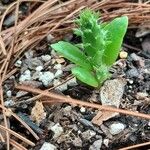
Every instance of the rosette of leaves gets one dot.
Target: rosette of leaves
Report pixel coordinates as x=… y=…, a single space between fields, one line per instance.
x=101 y=43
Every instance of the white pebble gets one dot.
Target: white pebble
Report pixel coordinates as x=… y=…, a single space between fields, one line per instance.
x=61 y=87
x=9 y=103
x=48 y=146
x=72 y=82
x=58 y=73
x=39 y=68
x=116 y=128
x=46 y=78
x=96 y=145
x=57 y=129
x=46 y=58
x=18 y=63
x=26 y=76
x=106 y=142
x=58 y=66
x=9 y=93
x=82 y=109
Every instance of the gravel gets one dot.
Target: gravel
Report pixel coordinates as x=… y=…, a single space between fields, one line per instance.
x=116 y=128
x=46 y=58
x=57 y=129
x=26 y=76
x=48 y=146
x=96 y=145
x=46 y=78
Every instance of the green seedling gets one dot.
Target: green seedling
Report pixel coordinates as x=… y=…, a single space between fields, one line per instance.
x=101 y=43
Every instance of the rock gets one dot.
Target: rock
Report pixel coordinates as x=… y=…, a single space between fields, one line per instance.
x=10 y=20
x=18 y=63
x=61 y=87
x=106 y=142
x=26 y=76
x=58 y=73
x=58 y=66
x=133 y=73
x=33 y=63
x=72 y=82
x=39 y=68
x=46 y=78
x=77 y=142
x=48 y=146
x=82 y=110
x=141 y=95
x=9 y=93
x=87 y=135
x=9 y=103
x=112 y=91
x=116 y=128
x=139 y=61
x=21 y=93
x=96 y=145
x=29 y=54
x=86 y=122
x=146 y=45
x=46 y=58
x=49 y=38
x=57 y=129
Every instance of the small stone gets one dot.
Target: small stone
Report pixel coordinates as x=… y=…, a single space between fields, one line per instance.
x=48 y=146
x=9 y=93
x=116 y=128
x=88 y=134
x=21 y=93
x=9 y=103
x=26 y=76
x=141 y=95
x=86 y=122
x=72 y=82
x=46 y=58
x=39 y=68
x=9 y=21
x=139 y=61
x=96 y=145
x=106 y=142
x=123 y=55
x=46 y=78
x=58 y=73
x=29 y=54
x=57 y=129
x=130 y=81
x=133 y=73
x=77 y=142
x=58 y=66
x=82 y=109
x=49 y=37
x=18 y=63
x=61 y=87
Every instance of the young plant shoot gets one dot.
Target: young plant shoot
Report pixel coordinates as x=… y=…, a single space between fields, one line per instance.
x=101 y=43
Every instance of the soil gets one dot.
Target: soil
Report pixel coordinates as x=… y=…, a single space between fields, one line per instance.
x=76 y=122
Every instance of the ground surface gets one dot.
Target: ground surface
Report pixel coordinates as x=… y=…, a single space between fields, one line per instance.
x=71 y=127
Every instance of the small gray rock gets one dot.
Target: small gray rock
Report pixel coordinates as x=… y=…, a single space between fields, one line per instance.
x=133 y=73
x=88 y=134
x=48 y=146
x=72 y=82
x=18 y=63
x=46 y=58
x=77 y=142
x=57 y=129
x=58 y=73
x=46 y=78
x=26 y=76
x=9 y=21
x=116 y=128
x=96 y=145
x=61 y=87
x=58 y=66
x=9 y=93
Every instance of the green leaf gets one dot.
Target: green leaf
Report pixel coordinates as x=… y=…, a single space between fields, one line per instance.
x=85 y=76
x=72 y=53
x=116 y=31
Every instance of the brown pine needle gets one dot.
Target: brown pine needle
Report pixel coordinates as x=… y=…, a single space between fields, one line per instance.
x=65 y=99
x=17 y=135
x=135 y=146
